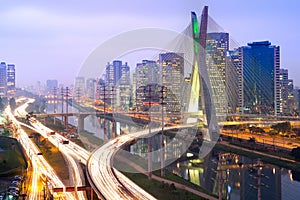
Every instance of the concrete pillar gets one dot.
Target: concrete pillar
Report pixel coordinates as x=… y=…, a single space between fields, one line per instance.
x=66 y=121
x=80 y=123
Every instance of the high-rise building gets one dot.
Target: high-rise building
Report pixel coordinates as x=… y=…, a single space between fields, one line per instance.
x=117 y=84
x=260 y=63
x=90 y=88
x=283 y=92
x=79 y=89
x=50 y=85
x=3 y=79
x=133 y=91
x=123 y=88
x=112 y=78
x=290 y=103
x=11 y=81
x=113 y=72
x=100 y=85
x=296 y=102
x=217 y=45
x=172 y=70
x=147 y=73
x=233 y=81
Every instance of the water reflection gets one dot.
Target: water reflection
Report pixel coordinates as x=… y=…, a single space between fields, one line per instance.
x=239 y=177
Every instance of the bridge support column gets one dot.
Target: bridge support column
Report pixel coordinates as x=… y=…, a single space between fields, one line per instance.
x=80 y=123
x=66 y=121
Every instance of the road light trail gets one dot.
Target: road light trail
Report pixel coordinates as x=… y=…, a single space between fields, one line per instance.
x=108 y=182
x=40 y=165
x=77 y=176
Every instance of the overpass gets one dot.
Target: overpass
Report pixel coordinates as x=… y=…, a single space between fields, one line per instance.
x=142 y=118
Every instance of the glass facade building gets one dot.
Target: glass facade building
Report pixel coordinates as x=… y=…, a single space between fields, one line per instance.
x=261 y=70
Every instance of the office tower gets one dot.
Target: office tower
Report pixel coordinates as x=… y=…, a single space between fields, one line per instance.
x=217 y=45
x=112 y=77
x=296 y=102
x=50 y=85
x=283 y=91
x=11 y=81
x=3 y=79
x=100 y=85
x=113 y=72
x=261 y=69
x=79 y=88
x=147 y=73
x=123 y=88
x=172 y=70
x=133 y=92
x=233 y=82
x=290 y=101
x=90 y=88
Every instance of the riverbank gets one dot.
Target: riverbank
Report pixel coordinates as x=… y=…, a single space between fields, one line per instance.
x=264 y=156
x=170 y=186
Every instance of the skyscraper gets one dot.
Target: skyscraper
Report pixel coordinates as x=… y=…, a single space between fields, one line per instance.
x=117 y=84
x=3 y=79
x=113 y=72
x=50 y=85
x=261 y=69
x=217 y=45
x=123 y=88
x=283 y=92
x=172 y=70
x=11 y=81
x=147 y=73
x=79 y=89
x=290 y=103
x=233 y=81
x=90 y=88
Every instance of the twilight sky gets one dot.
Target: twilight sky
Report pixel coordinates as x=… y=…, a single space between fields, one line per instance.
x=52 y=39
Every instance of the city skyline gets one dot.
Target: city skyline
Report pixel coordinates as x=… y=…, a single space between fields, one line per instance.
x=152 y=113
x=34 y=37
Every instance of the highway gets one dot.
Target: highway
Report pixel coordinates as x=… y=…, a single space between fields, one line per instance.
x=39 y=164
x=112 y=183
x=108 y=180
x=77 y=177
x=102 y=175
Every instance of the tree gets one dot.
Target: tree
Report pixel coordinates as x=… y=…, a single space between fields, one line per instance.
x=296 y=153
x=252 y=140
x=282 y=127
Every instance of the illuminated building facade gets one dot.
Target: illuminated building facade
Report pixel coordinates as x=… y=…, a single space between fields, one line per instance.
x=172 y=69
x=261 y=71
x=50 y=85
x=11 y=81
x=3 y=79
x=233 y=82
x=90 y=88
x=147 y=73
x=283 y=92
x=217 y=46
x=123 y=88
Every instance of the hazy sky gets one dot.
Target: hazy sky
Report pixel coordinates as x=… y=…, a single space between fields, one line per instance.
x=52 y=39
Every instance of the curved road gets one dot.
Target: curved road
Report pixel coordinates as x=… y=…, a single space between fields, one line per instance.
x=108 y=182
